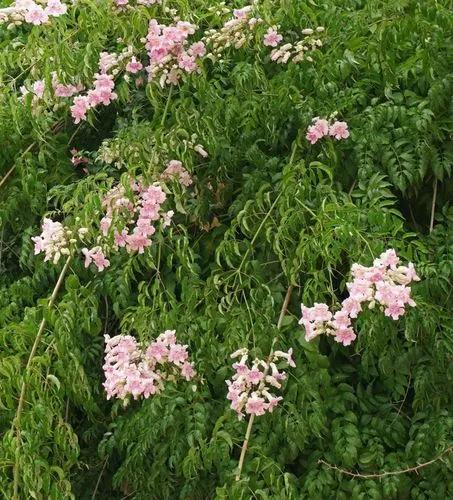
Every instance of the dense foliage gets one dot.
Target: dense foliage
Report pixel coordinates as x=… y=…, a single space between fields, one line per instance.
x=266 y=210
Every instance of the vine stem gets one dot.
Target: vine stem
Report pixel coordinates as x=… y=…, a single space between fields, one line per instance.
x=390 y=473
x=20 y=406
x=248 y=432
x=433 y=206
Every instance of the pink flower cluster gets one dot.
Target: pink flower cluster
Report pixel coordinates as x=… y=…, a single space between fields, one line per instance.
x=54 y=240
x=175 y=169
x=133 y=370
x=385 y=283
x=235 y=32
x=249 y=389
x=170 y=55
x=62 y=90
x=31 y=12
x=321 y=128
x=103 y=84
x=147 y=205
x=294 y=52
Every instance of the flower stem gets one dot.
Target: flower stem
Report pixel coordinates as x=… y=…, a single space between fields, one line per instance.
x=252 y=417
x=20 y=406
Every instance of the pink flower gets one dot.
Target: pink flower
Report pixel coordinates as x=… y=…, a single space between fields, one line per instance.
x=389 y=258
x=345 y=336
x=272 y=401
x=79 y=108
x=120 y=238
x=322 y=125
x=38 y=88
x=197 y=49
x=36 y=15
x=255 y=405
x=272 y=38
x=134 y=66
x=351 y=307
x=339 y=130
x=254 y=376
x=65 y=90
x=187 y=63
x=187 y=371
x=178 y=354
x=95 y=255
x=55 y=8
x=313 y=134
x=168 y=337
x=319 y=129
x=242 y=13
x=157 y=350
x=137 y=242
x=241 y=368
x=105 y=225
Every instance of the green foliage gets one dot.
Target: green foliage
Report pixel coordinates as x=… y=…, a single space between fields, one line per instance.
x=266 y=210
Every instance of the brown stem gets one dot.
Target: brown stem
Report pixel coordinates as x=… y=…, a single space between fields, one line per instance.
x=433 y=207
x=20 y=406
x=252 y=417
x=383 y=474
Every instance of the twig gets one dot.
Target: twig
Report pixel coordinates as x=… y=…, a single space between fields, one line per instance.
x=20 y=406
x=433 y=206
x=390 y=473
x=404 y=398
x=351 y=189
x=252 y=417
x=98 y=482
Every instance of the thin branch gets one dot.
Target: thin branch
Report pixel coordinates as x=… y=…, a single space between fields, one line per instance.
x=55 y=128
x=20 y=406
x=390 y=473
x=252 y=417
x=433 y=206
x=98 y=482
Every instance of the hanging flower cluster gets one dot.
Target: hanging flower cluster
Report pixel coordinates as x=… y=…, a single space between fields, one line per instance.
x=385 y=283
x=249 y=388
x=294 y=52
x=28 y=11
x=135 y=218
x=103 y=84
x=61 y=90
x=55 y=240
x=169 y=52
x=321 y=127
x=133 y=370
x=176 y=170
x=235 y=32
